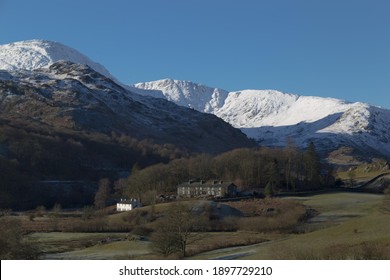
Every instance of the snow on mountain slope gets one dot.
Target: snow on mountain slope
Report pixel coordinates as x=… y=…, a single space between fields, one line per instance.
x=34 y=54
x=76 y=98
x=247 y=108
x=251 y=108
x=271 y=117
x=268 y=116
x=188 y=94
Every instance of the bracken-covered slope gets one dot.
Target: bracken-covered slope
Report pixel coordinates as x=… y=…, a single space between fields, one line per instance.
x=76 y=97
x=271 y=117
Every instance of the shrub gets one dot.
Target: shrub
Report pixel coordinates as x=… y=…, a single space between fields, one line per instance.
x=12 y=243
x=142 y=231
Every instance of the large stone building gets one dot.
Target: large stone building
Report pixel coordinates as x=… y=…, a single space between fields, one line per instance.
x=206 y=189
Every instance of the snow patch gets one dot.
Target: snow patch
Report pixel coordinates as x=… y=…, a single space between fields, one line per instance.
x=271 y=117
x=35 y=54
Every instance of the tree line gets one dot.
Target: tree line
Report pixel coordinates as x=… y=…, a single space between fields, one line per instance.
x=33 y=154
x=36 y=153
x=260 y=169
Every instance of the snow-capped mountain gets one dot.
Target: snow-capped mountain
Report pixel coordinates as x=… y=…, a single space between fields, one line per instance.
x=75 y=97
x=35 y=54
x=272 y=117
x=188 y=94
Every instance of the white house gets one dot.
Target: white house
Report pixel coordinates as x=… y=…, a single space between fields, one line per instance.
x=127 y=205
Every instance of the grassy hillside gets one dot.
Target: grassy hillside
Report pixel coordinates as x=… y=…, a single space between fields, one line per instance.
x=350 y=226
x=325 y=226
x=364 y=172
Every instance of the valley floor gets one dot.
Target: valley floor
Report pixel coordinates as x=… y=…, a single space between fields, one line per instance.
x=348 y=226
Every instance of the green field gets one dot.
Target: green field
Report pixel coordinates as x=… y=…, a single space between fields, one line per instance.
x=62 y=245
x=115 y=250
x=353 y=227
x=343 y=226
x=363 y=172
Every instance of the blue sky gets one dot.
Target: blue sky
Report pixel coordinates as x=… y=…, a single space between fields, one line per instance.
x=332 y=48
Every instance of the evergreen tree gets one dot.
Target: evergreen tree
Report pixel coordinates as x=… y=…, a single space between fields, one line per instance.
x=103 y=193
x=135 y=183
x=291 y=164
x=312 y=166
x=274 y=179
x=269 y=189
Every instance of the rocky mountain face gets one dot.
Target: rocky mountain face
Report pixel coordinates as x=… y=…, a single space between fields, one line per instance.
x=76 y=97
x=187 y=94
x=272 y=118
x=100 y=102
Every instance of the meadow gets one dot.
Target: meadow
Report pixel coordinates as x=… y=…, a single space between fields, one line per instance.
x=339 y=225
x=348 y=226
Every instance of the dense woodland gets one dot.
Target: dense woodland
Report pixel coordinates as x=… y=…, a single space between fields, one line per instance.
x=261 y=170
x=31 y=155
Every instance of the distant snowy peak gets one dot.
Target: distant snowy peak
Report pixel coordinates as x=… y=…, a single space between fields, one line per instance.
x=250 y=108
x=271 y=117
x=246 y=108
x=254 y=108
x=34 y=54
x=188 y=94
x=74 y=96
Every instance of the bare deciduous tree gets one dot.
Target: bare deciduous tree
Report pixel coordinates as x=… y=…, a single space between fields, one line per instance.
x=177 y=229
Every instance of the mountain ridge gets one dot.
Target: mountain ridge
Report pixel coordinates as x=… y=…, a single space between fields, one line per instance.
x=76 y=97
x=272 y=117
x=185 y=93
